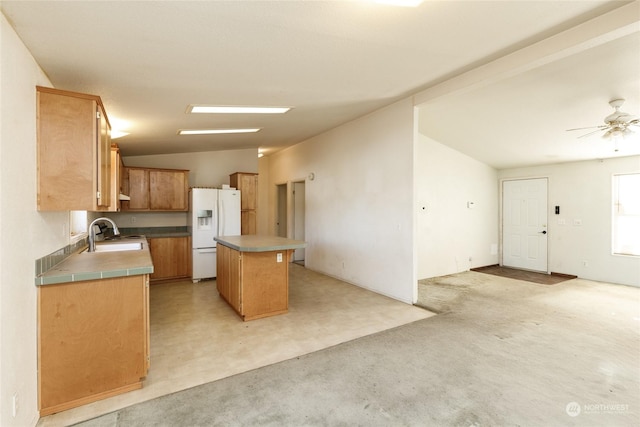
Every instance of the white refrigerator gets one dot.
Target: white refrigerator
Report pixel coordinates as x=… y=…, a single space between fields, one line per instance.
x=212 y=213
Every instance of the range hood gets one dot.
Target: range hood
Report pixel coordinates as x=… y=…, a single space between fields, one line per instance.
x=123 y=197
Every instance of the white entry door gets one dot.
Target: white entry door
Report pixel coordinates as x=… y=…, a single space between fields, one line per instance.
x=524 y=224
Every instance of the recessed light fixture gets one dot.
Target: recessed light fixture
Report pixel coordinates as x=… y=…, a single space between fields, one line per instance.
x=214 y=131
x=229 y=109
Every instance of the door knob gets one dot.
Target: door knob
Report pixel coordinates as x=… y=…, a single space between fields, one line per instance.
x=544 y=232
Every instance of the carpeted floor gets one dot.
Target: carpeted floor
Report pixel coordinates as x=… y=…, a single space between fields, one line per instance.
x=504 y=352
x=528 y=276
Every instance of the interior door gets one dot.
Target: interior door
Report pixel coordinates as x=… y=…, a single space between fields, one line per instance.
x=298 y=217
x=524 y=224
x=281 y=223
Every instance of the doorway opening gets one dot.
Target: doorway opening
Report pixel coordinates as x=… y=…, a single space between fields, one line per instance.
x=298 y=196
x=281 y=220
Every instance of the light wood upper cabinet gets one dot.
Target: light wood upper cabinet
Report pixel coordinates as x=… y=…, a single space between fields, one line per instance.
x=74 y=151
x=168 y=190
x=156 y=189
x=116 y=177
x=138 y=190
x=247 y=183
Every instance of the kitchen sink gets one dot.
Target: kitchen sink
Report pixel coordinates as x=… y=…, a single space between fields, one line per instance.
x=118 y=246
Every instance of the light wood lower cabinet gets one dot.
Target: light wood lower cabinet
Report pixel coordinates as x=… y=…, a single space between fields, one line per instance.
x=228 y=275
x=93 y=340
x=255 y=284
x=171 y=257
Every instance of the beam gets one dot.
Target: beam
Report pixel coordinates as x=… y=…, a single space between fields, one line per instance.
x=618 y=23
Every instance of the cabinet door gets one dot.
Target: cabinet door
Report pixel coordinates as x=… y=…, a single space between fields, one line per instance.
x=138 y=190
x=228 y=278
x=247 y=183
x=103 y=143
x=116 y=173
x=92 y=340
x=222 y=273
x=168 y=190
x=67 y=137
x=147 y=327
x=248 y=222
x=170 y=256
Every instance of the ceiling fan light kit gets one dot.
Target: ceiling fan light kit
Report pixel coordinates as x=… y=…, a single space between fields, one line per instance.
x=617 y=125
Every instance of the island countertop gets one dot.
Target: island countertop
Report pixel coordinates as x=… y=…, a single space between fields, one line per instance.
x=257 y=243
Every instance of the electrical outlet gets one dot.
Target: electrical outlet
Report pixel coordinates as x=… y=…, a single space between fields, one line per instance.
x=14 y=405
x=133 y=220
x=279 y=257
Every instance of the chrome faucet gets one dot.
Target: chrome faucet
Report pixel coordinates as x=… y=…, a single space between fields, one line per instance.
x=92 y=235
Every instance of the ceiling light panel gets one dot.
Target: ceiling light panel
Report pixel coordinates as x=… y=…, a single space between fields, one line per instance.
x=402 y=3
x=215 y=131
x=229 y=109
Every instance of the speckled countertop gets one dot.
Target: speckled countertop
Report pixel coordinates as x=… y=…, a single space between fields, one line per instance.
x=257 y=243
x=84 y=265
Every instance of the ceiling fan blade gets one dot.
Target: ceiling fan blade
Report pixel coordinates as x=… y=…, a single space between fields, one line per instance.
x=590 y=127
x=590 y=133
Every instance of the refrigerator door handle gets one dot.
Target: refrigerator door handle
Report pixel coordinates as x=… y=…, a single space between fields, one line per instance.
x=221 y=217
x=205 y=250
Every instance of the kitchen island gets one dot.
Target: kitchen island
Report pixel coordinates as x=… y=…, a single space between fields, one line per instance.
x=253 y=273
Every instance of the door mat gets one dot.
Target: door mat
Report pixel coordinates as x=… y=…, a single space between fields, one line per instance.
x=529 y=276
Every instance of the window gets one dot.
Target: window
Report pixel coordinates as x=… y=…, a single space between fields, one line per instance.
x=77 y=224
x=626 y=214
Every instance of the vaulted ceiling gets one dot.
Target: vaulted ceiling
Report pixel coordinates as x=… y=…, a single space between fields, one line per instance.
x=334 y=61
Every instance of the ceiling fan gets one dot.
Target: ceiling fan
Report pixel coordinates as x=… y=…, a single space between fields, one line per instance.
x=617 y=124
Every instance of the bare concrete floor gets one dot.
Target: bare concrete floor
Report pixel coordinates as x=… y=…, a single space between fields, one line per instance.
x=502 y=352
x=197 y=338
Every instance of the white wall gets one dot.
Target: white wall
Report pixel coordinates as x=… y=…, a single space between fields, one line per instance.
x=25 y=233
x=449 y=233
x=264 y=226
x=207 y=169
x=359 y=223
x=583 y=191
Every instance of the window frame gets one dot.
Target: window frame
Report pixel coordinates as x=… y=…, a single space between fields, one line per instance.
x=633 y=216
x=78 y=225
